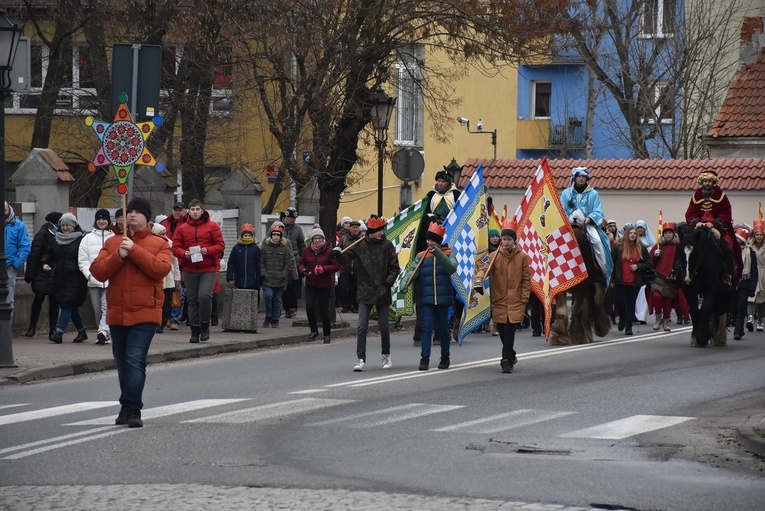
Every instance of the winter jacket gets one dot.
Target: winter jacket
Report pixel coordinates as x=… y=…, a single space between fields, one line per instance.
x=170 y=224
x=276 y=263
x=642 y=265
x=91 y=245
x=34 y=274
x=311 y=259
x=244 y=266
x=434 y=281
x=203 y=233
x=71 y=286
x=663 y=264
x=135 y=292
x=294 y=234
x=174 y=275
x=759 y=296
x=510 y=284
x=17 y=246
x=750 y=281
x=351 y=267
x=377 y=269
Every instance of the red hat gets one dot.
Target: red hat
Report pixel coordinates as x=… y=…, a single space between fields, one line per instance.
x=508 y=228
x=375 y=223
x=435 y=233
x=668 y=226
x=248 y=228
x=708 y=174
x=742 y=234
x=278 y=229
x=759 y=226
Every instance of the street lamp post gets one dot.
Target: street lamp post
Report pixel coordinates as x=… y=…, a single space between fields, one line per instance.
x=10 y=34
x=381 y=114
x=480 y=131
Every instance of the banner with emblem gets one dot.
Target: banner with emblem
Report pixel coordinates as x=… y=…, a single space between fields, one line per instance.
x=467 y=233
x=546 y=236
x=402 y=231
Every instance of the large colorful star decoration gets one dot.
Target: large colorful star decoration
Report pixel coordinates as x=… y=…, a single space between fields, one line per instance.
x=123 y=143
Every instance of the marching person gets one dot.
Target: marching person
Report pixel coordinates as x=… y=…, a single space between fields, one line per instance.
x=378 y=270
x=243 y=268
x=62 y=258
x=663 y=287
x=17 y=248
x=197 y=244
x=630 y=259
x=747 y=286
x=135 y=266
x=91 y=245
x=510 y=275
x=176 y=218
x=435 y=292
x=172 y=280
x=319 y=268
x=349 y=273
x=119 y=223
x=756 y=304
x=39 y=279
x=277 y=268
x=294 y=234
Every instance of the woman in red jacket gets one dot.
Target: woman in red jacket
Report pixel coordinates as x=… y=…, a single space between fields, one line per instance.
x=319 y=269
x=135 y=264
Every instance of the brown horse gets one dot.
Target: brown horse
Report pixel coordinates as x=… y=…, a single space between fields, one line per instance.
x=590 y=302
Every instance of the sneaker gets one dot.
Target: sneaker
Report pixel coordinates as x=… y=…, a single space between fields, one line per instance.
x=313 y=336
x=359 y=366
x=443 y=363
x=134 y=420
x=174 y=326
x=506 y=365
x=750 y=323
x=386 y=362
x=121 y=419
x=290 y=313
x=101 y=338
x=759 y=327
x=424 y=363
x=274 y=325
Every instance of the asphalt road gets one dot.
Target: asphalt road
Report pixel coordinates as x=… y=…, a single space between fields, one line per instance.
x=642 y=422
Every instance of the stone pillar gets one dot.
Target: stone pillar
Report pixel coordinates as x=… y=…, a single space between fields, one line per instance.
x=44 y=179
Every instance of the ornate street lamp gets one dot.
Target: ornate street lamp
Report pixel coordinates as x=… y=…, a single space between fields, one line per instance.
x=10 y=34
x=381 y=113
x=455 y=170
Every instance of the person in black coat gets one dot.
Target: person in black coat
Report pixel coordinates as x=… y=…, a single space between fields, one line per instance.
x=61 y=258
x=243 y=269
x=34 y=275
x=747 y=286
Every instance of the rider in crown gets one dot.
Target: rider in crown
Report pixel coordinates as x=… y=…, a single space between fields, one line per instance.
x=709 y=207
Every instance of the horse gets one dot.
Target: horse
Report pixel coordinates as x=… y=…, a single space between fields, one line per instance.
x=590 y=302
x=699 y=268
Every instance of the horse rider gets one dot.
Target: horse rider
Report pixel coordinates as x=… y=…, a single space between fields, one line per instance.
x=709 y=207
x=581 y=202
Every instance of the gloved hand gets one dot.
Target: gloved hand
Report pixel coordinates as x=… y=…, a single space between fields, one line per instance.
x=336 y=252
x=478 y=286
x=318 y=269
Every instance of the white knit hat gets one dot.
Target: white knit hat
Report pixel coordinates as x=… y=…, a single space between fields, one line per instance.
x=317 y=231
x=68 y=219
x=346 y=219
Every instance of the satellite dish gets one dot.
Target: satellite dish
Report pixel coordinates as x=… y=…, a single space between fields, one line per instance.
x=408 y=164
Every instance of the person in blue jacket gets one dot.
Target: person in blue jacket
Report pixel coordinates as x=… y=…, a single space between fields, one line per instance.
x=244 y=261
x=17 y=249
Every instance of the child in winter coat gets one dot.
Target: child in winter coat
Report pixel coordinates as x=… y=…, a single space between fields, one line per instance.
x=243 y=269
x=277 y=267
x=663 y=287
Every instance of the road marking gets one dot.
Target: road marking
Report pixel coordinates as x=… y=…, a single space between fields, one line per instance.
x=549 y=352
x=52 y=412
x=113 y=431
x=308 y=391
x=271 y=411
x=389 y=415
x=500 y=422
x=21 y=447
x=162 y=411
x=3 y=407
x=628 y=427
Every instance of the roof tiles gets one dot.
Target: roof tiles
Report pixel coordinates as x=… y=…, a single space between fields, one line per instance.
x=743 y=112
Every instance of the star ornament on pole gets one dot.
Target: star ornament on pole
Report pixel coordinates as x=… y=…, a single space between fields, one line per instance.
x=123 y=143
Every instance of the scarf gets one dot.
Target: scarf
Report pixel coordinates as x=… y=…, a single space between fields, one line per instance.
x=66 y=239
x=11 y=215
x=242 y=241
x=316 y=247
x=746 y=256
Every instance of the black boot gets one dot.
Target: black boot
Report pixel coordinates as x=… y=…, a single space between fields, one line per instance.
x=31 y=331
x=57 y=337
x=204 y=332
x=81 y=336
x=194 y=334
x=424 y=363
x=443 y=363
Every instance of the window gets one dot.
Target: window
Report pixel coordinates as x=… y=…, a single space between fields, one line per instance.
x=541 y=95
x=658 y=18
x=659 y=104
x=409 y=115
x=221 y=104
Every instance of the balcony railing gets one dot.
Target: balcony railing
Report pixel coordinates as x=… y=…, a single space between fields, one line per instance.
x=569 y=135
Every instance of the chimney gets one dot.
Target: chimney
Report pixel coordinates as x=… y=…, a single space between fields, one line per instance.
x=752 y=40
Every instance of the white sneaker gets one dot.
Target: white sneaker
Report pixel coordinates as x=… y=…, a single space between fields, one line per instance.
x=386 y=362
x=359 y=366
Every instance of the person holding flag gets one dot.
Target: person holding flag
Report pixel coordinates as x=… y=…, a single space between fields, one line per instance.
x=510 y=275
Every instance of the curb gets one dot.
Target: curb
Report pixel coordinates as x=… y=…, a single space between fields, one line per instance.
x=751 y=435
x=200 y=350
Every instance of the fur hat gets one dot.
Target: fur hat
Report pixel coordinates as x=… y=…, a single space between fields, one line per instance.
x=141 y=205
x=435 y=233
x=508 y=229
x=742 y=234
x=67 y=219
x=316 y=231
x=375 y=223
x=247 y=228
x=445 y=175
x=710 y=175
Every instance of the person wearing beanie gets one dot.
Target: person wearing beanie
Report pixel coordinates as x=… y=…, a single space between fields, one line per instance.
x=198 y=244
x=493 y=240
x=135 y=266
x=378 y=270
x=119 y=222
x=510 y=275
x=293 y=233
x=348 y=279
x=343 y=228
x=434 y=292
x=17 y=248
x=91 y=245
x=170 y=223
x=38 y=278
x=61 y=261
x=140 y=205
x=319 y=268
x=277 y=268
x=243 y=269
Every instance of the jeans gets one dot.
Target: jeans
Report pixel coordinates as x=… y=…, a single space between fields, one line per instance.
x=176 y=313
x=322 y=296
x=130 y=345
x=98 y=301
x=68 y=313
x=507 y=335
x=435 y=316
x=382 y=321
x=273 y=296
x=199 y=291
